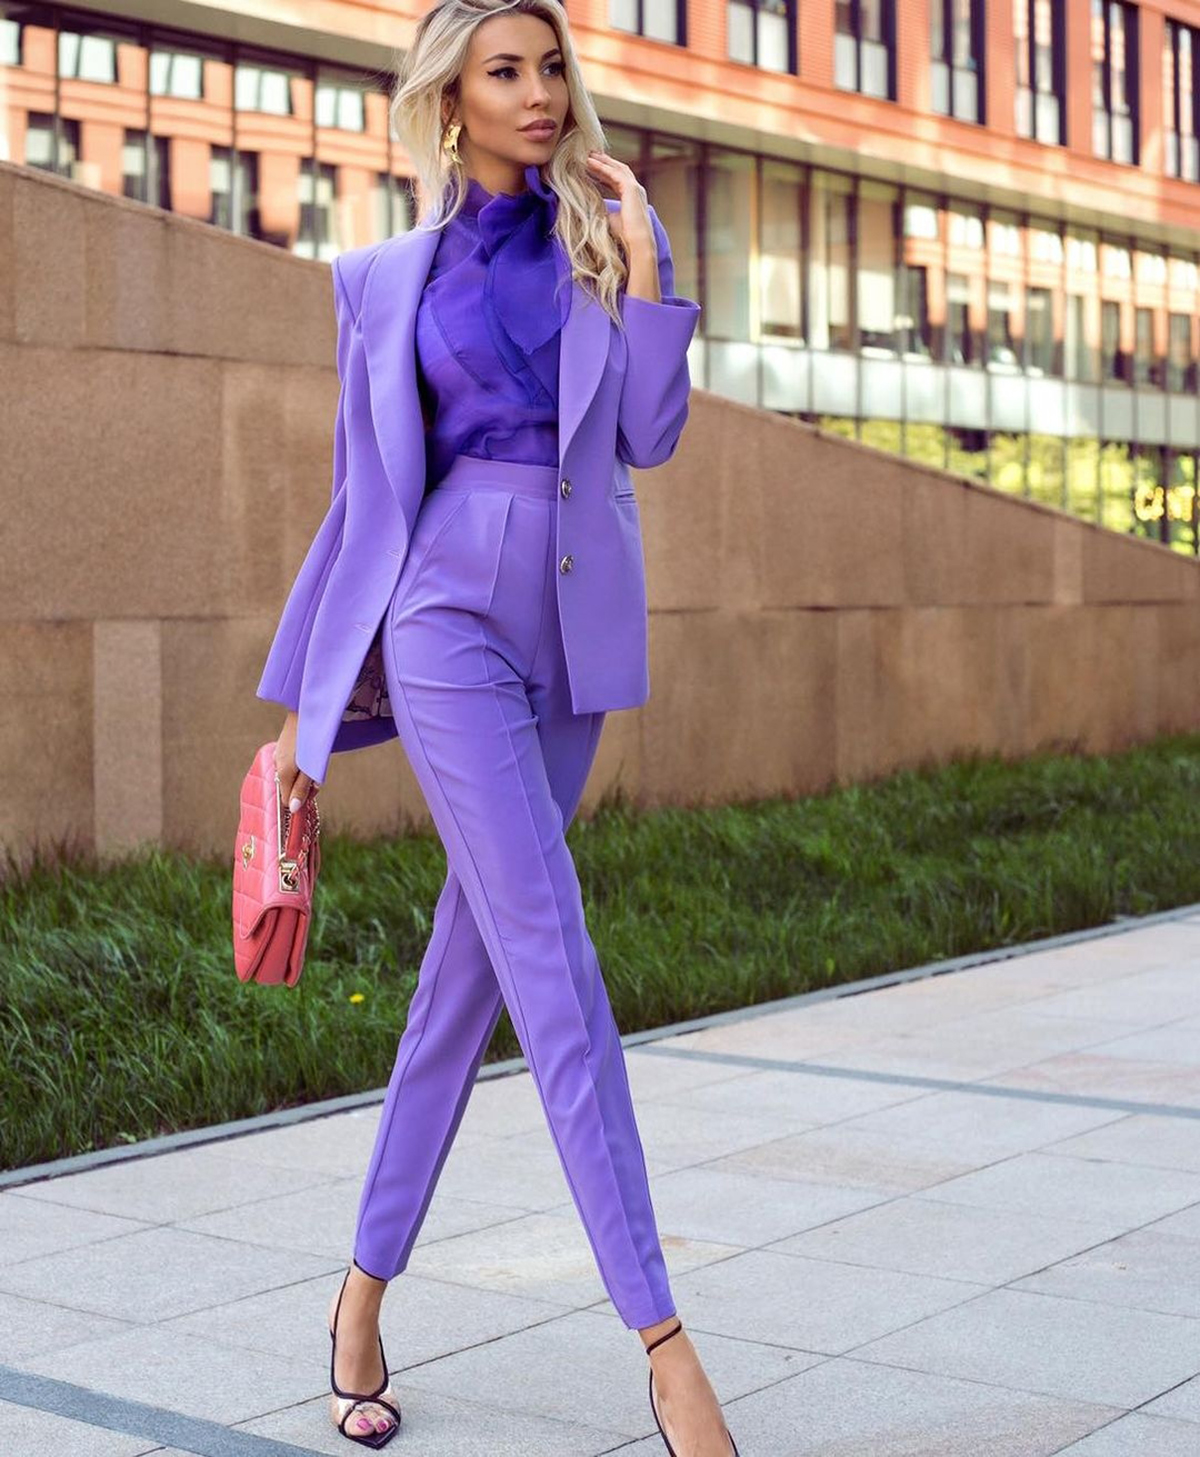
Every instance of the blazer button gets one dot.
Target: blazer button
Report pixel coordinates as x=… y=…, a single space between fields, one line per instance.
x=566 y=488
x=567 y=563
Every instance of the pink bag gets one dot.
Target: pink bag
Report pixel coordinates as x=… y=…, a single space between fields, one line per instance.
x=275 y=861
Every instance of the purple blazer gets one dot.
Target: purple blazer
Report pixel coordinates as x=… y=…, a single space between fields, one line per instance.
x=623 y=401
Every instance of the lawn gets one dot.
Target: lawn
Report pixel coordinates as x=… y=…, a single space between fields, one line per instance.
x=121 y=1017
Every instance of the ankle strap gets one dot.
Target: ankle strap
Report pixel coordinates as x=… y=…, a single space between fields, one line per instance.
x=661 y=1339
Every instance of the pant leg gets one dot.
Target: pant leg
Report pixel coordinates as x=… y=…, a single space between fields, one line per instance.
x=451 y=1018
x=478 y=686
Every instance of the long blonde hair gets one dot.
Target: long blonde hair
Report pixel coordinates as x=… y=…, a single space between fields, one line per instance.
x=430 y=71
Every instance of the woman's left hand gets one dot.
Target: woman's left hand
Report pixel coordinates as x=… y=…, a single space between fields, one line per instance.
x=631 y=222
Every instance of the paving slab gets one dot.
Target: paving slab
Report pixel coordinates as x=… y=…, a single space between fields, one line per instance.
x=949 y=1210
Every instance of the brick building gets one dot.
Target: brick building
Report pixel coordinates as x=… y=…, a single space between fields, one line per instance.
x=963 y=230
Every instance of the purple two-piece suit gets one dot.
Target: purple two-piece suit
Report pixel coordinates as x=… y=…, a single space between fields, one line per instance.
x=497 y=704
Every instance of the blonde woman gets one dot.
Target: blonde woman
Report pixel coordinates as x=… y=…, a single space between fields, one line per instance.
x=477 y=590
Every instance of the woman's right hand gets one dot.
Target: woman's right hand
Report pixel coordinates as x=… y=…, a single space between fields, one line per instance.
x=293 y=785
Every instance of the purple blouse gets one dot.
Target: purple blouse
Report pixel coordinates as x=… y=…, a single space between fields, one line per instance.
x=487 y=330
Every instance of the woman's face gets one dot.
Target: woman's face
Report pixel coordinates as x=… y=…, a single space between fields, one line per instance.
x=512 y=75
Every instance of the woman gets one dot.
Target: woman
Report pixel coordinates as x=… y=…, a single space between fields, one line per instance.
x=550 y=354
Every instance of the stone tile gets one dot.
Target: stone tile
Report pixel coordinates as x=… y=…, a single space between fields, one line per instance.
x=440 y=1426
x=488 y=1171
x=1138 y=1435
x=978 y=1046
x=337 y=1146
x=500 y=1107
x=712 y=1202
x=777 y=1099
x=588 y=1368
x=978 y=1127
x=1118 y=1196
x=847 y=1408
x=1183 y=1224
x=1181 y=1402
x=673 y=1136
x=1143 y=1270
x=168 y=1186
x=156 y=1273
x=26 y=1431
x=1170 y=1042
x=1075 y=1349
x=847 y=1157
x=660 y=1074
x=541 y=1257
x=322 y=1220
x=1162 y=1143
x=421 y=1319
x=30 y=1327
x=185 y=1374
x=1090 y=1074
x=923 y=1237
x=30 y=1227
x=808 y=1305
x=1118 y=999
x=828 y=1096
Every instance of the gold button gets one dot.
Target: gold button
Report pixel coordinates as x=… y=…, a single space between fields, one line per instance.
x=566 y=488
x=567 y=563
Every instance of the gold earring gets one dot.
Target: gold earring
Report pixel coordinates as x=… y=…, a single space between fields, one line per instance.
x=450 y=142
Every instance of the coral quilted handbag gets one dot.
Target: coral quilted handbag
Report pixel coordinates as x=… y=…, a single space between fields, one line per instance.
x=275 y=861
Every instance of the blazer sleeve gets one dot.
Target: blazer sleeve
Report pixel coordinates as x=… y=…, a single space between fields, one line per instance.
x=654 y=393
x=284 y=668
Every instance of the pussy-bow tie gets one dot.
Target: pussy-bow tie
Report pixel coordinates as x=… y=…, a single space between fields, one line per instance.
x=525 y=263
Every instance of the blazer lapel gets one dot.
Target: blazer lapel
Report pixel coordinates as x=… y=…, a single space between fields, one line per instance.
x=388 y=323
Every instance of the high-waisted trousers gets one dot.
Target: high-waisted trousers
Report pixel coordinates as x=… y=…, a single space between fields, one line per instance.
x=477 y=679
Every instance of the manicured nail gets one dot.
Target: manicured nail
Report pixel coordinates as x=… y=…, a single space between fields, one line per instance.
x=294 y=805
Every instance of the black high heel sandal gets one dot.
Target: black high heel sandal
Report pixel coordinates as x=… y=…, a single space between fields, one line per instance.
x=347 y=1401
x=654 y=1408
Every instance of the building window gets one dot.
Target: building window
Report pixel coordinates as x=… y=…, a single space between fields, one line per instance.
x=864 y=47
x=340 y=106
x=1147 y=365
x=1042 y=351
x=1114 y=80
x=1181 y=363
x=10 y=42
x=40 y=143
x=1182 y=156
x=87 y=57
x=760 y=33
x=1040 y=45
x=146 y=168
x=317 y=189
x=233 y=183
x=956 y=45
x=655 y=19
x=176 y=73
x=1114 y=361
x=263 y=88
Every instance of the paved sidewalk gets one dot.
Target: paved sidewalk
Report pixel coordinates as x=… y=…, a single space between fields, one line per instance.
x=952 y=1215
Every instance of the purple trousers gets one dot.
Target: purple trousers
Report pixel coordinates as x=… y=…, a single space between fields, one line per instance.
x=478 y=684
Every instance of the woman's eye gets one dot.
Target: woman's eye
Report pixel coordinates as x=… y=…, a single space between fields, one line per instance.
x=557 y=67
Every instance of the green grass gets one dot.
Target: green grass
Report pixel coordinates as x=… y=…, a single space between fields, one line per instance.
x=121 y=1017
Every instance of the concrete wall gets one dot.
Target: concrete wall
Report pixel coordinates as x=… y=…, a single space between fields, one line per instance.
x=820 y=612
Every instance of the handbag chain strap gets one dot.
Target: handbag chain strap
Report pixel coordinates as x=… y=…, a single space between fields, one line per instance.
x=289 y=870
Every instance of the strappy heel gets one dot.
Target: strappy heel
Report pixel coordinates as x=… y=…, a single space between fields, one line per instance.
x=654 y=1408
x=348 y=1401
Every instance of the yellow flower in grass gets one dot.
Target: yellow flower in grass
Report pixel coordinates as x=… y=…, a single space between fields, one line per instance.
x=356 y=996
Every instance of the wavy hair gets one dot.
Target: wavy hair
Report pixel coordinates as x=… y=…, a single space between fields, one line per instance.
x=429 y=73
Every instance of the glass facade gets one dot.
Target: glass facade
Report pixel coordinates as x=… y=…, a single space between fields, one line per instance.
x=290 y=151
x=1053 y=360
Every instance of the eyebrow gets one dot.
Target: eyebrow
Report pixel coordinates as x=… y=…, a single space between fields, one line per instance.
x=553 y=51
